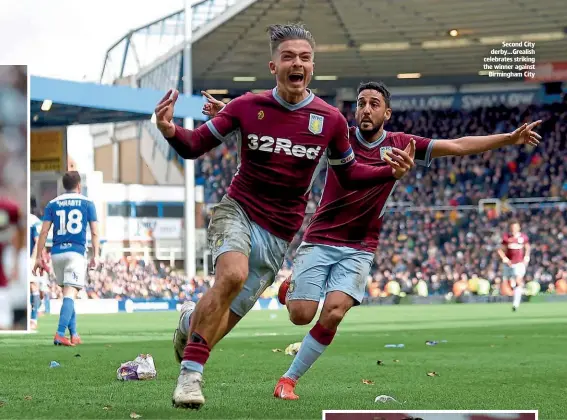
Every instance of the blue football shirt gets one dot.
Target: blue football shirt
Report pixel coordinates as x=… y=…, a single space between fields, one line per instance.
x=70 y=214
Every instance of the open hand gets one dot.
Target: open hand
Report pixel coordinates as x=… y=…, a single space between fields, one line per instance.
x=213 y=106
x=525 y=134
x=401 y=161
x=164 y=113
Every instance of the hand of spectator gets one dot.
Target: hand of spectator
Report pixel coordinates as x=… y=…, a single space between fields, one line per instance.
x=401 y=161
x=164 y=113
x=525 y=134
x=213 y=106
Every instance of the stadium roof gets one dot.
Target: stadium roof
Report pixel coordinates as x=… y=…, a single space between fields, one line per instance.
x=90 y=103
x=360 y=39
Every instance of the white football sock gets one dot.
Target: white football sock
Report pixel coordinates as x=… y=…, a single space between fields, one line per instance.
x=518 y=291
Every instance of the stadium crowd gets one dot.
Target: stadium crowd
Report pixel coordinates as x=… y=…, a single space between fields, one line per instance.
x=510 y=172
x=426 y=251
x=422 y=253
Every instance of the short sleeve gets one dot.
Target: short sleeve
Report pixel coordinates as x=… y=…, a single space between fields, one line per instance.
x=423 y=148
x=48 y=214
x=91 y=212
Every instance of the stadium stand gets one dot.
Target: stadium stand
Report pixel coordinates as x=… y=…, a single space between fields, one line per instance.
x=444 y=243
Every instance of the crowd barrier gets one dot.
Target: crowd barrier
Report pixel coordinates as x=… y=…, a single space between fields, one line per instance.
x=110 y=306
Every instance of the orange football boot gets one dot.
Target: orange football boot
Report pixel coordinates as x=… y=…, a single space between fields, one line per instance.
x=62 y=341
x=282 y=291
x=285 y=389
x=76 y=339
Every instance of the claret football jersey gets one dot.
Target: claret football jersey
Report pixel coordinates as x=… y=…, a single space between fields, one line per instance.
x=281 y=149
x=354 y=218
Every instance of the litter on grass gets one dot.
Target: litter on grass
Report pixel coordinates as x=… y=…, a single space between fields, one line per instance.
x=292 y=349
x=385 y=399
x=142 y=368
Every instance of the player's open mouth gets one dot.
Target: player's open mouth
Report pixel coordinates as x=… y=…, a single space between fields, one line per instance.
x=296 y=77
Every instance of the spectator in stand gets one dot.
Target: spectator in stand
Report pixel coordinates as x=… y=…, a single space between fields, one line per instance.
x=435 y=247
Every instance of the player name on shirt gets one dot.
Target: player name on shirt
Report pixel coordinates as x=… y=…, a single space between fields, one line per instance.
x=70 y=214
x=69 y=203
x=354 y=218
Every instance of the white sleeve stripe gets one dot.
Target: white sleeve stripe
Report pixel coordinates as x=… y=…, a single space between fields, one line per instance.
x=427 y=161
x=342 y=161
x=214 y=131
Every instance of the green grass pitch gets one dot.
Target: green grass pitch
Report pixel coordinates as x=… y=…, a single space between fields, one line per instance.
x=493 y=359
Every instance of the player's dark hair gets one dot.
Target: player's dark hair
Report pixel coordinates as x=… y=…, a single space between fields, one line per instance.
x=514 y=222
x=281 y=33
x=378 y=87
x=71 y=180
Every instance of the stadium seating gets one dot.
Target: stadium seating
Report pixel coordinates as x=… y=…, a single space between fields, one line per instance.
x=443 y=248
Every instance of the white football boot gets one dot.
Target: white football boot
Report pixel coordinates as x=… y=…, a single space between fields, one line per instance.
x=188 y=393
x=180 y=339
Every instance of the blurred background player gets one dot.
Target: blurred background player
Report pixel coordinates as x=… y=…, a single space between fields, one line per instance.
x=286 y=132
x=515 y=255
x=339 y=244
x=13 y=188
x=37 y=283
x=70 y=214
x=13 y=293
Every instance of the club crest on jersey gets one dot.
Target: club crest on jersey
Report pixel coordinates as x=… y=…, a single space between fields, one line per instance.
x=384 y=150
x=261 y=115
x=316 y=123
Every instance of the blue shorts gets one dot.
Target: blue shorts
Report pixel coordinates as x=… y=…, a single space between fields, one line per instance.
x=319 y=268
x=230 y=229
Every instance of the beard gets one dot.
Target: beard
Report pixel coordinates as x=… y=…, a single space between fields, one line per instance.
x=371 y=131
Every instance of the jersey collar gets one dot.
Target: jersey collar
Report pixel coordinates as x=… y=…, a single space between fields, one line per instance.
x=293 y=107
x=372 y=145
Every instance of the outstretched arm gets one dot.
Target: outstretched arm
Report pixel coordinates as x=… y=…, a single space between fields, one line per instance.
x=191 y=144
x=471 y=145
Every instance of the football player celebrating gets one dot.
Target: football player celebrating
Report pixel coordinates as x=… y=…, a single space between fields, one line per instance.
x=339 y=244
x=284 y=134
